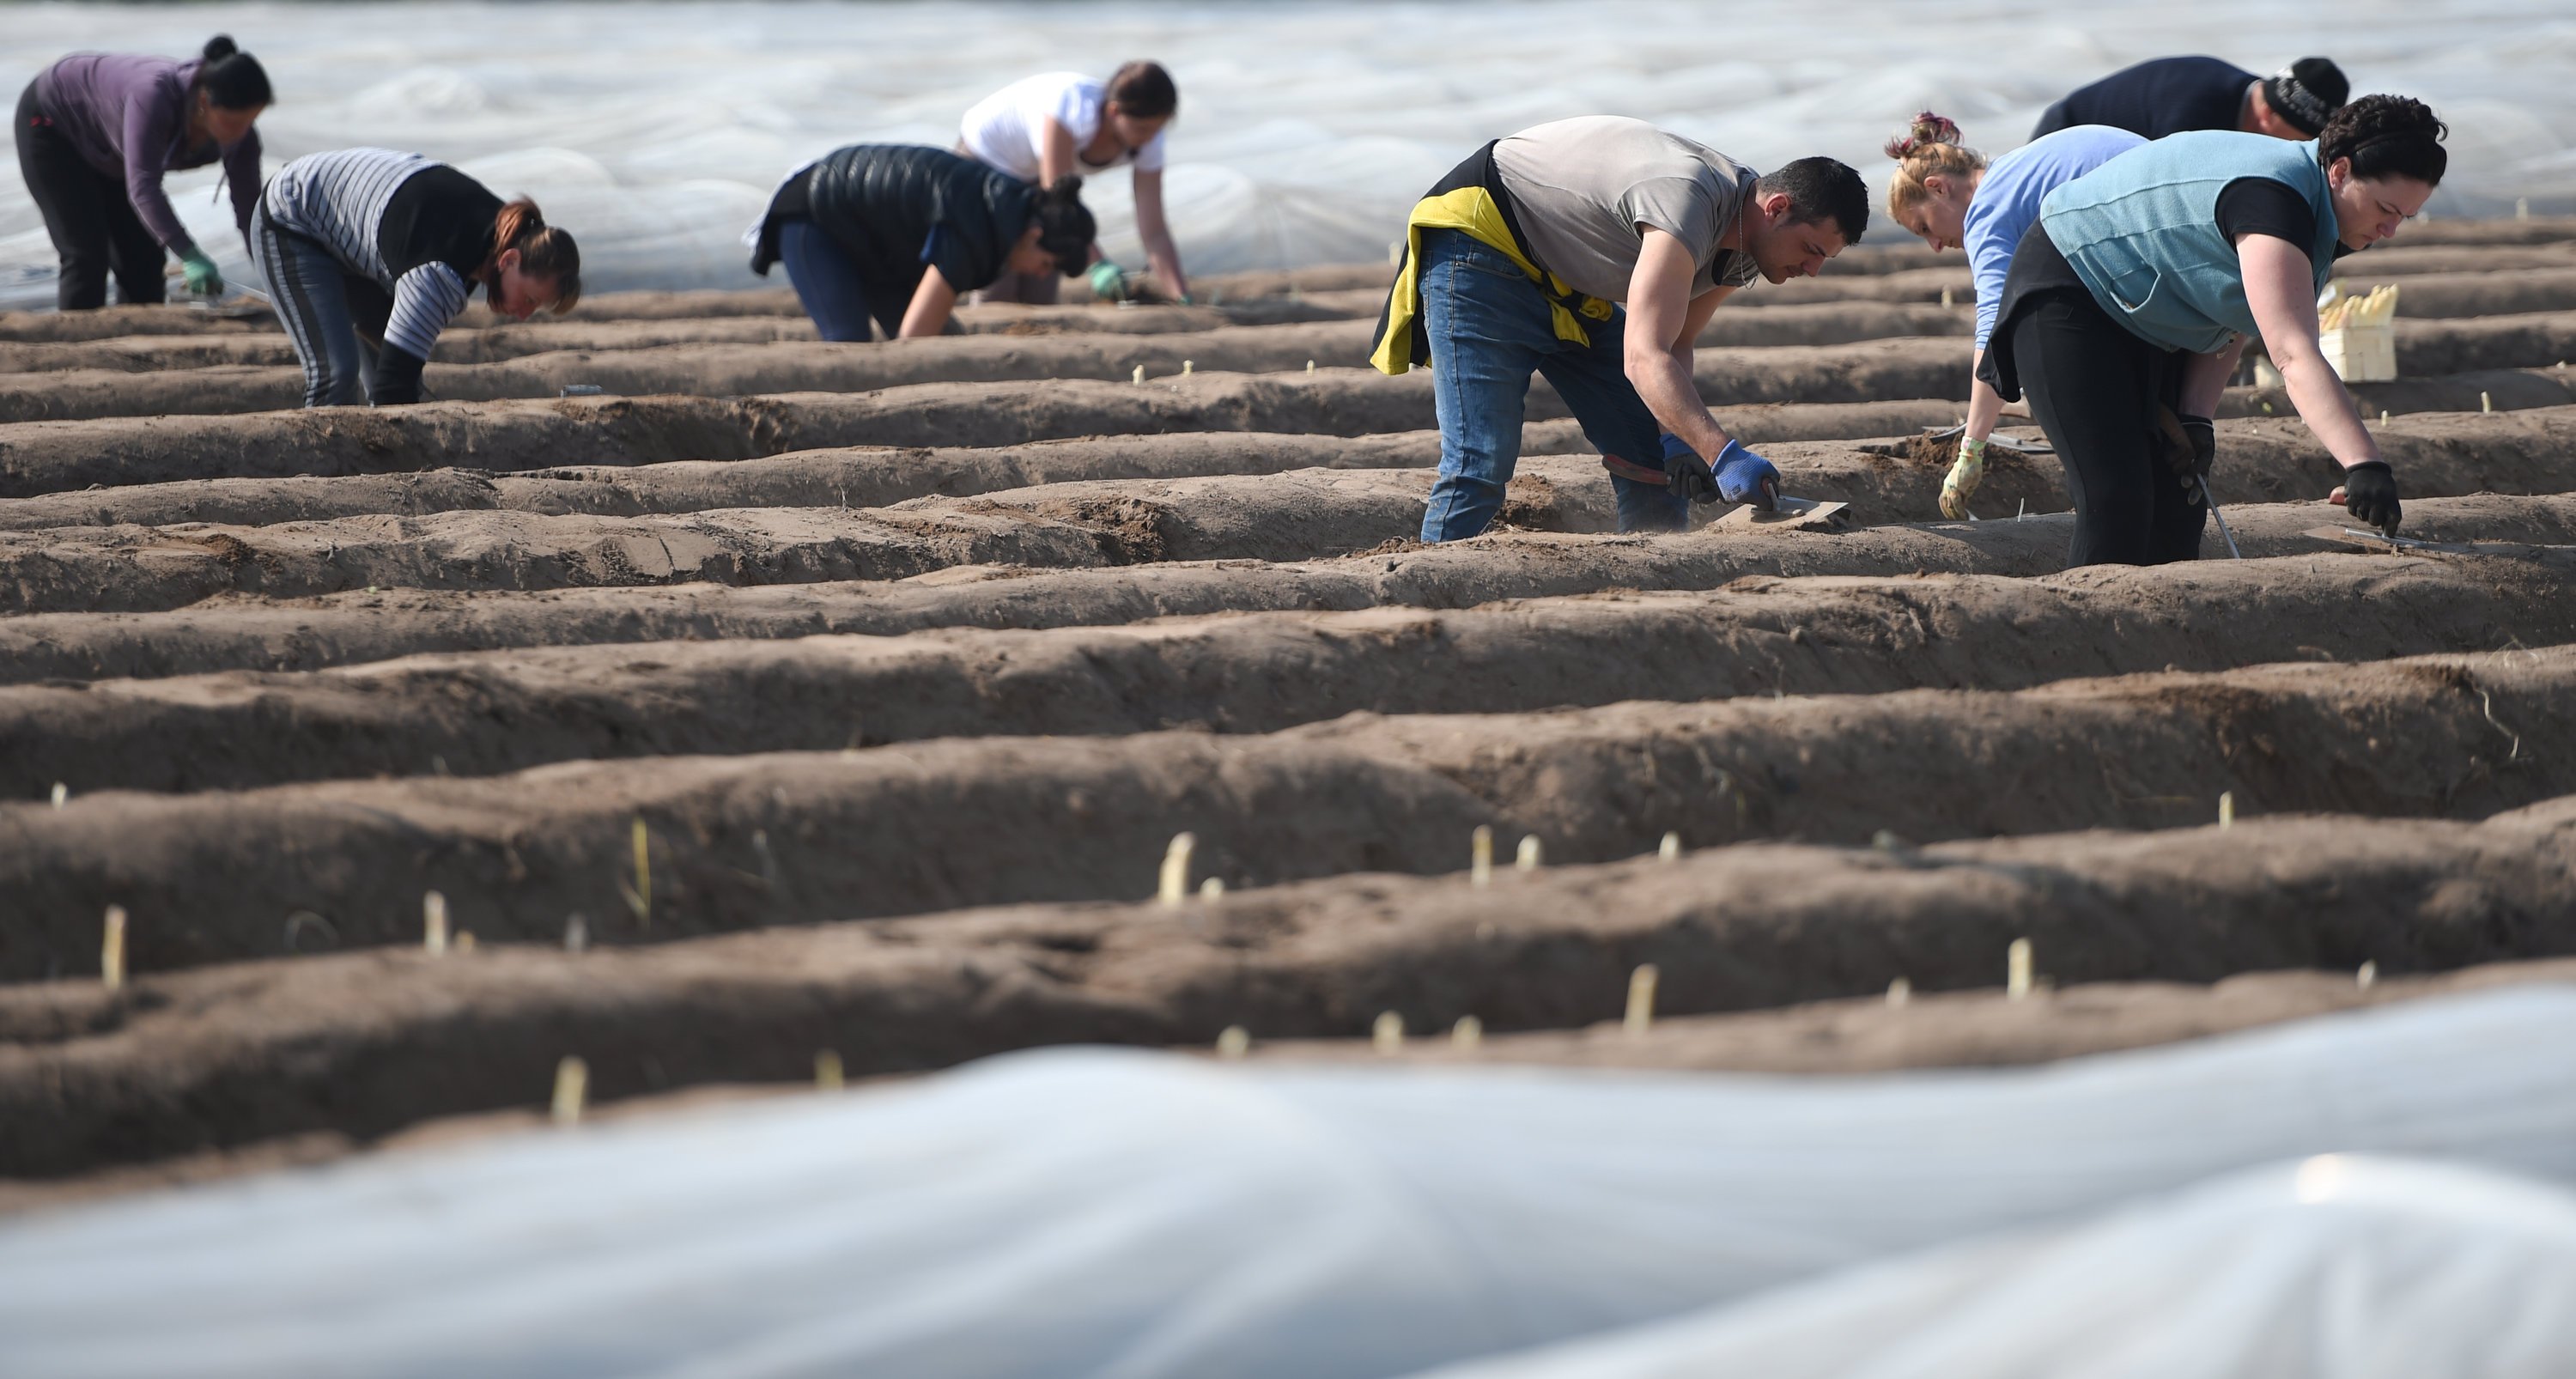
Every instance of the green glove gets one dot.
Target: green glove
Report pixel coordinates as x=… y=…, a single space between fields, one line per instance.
x=204 y=278
x=1108 y=281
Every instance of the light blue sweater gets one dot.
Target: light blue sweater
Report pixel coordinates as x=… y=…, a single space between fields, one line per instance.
x=2008 y=197
x=2142 y=232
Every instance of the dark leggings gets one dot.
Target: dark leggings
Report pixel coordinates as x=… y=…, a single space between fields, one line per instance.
x=2096 y=389
x=94 y=227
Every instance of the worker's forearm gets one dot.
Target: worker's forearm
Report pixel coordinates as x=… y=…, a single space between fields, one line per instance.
x=1985 y=406
x=932 y=303
x=1663 y=382
x=2204 y=378
x=1164 y=258
x=2328 y=410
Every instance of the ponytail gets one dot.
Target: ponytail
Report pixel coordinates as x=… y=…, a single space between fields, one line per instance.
x=1929 y=146
x=544 y=252
x=231 y=78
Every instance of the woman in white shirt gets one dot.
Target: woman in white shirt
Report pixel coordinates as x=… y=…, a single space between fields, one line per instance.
x=1058 y=123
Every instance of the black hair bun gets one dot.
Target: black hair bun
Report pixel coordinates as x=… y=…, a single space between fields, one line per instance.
x=2327 y=80
x=221 y=46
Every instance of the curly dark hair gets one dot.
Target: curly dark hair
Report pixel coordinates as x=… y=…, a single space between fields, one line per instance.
x=2387 y=136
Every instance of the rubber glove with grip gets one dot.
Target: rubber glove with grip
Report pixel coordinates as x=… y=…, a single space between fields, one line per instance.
x=1966 y=472
x=1745 y=477
x=204 y=279
x=1108 y=281
x=2370 y=495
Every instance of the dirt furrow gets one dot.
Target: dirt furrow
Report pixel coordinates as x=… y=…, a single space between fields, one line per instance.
x=2538 y=229
x=51 y=457
x=2501 y=390
x=850 y=477
x=494 y=712
x=2530 y=340
x=738 y=841
x=530 y=543
x=2262 y=459
x=352 y=628
x=2424 y=296
x=2532 y=337
x=117 y=322
x=1827 y=324
x=1300 y=514
x=360 y=1045
x=1958 y=1028
x=1870 y=371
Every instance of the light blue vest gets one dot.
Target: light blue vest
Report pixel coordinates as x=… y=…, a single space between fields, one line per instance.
x=2142 y=232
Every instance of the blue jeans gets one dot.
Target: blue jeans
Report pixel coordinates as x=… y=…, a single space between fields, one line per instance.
x=827 y=283
x=1490 y=329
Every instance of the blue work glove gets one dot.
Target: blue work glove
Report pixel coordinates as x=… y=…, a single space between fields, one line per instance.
x=1740 y=476
x=204 y=278
x=1108 y=281
x=1744 y=477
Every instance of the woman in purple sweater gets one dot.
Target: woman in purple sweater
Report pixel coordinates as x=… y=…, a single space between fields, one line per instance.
x=96 y=131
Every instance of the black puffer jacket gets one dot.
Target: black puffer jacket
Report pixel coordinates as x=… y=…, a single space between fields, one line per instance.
x=896 y=209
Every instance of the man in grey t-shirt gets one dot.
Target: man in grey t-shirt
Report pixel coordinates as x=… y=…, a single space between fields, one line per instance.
x=1607 y=211
x=1587 y=187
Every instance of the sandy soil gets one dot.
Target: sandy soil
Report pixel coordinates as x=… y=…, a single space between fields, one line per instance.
x=1866 y=1034
x=803 y=836
x=872 y=477
x=343 y=629
x=863 y=637
x=1220 y=503
x=503 y=437
x=489 y=712
x=358 y=1045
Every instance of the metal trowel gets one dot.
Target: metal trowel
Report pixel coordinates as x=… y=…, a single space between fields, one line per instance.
x=2375 y=541
x=1998 y=440
x=1789 y=514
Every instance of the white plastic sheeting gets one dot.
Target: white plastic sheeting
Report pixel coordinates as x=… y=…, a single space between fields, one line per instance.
x=1305 y=130
x=1088 y=1212
x=2335 y=1267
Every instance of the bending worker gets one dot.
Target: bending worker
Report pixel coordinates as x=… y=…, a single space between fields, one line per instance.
x=2175 y=95
x=896 y=232
x=2130 y=299
x=1518 y=261
x=1946 y=195
x=1046 y=128
x=370 y=253
x=96 y=133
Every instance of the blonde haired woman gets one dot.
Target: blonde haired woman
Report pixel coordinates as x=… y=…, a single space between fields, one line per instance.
x=1946 y=194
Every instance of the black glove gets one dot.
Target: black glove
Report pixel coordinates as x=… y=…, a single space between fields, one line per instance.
x=396 y=381
x=2186 y=444
x=1687 y=474
x=2370 y=494
x=2204 y=442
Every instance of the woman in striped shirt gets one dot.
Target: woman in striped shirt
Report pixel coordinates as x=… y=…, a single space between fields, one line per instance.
x=370 y=253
